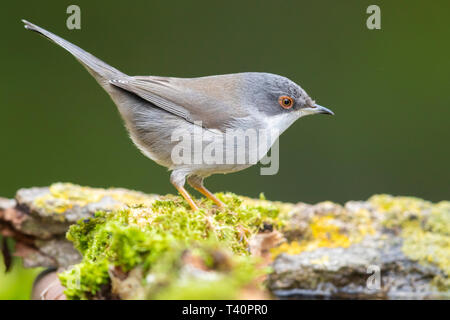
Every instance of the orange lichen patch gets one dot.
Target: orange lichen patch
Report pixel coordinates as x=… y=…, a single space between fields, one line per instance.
x=385 y=202
x=425 y=229
x=324 y=233
x=396 y=210
x=329 y=232
x=64 y=196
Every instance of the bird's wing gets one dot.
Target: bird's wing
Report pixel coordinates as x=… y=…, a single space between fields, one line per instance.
x=211 y=100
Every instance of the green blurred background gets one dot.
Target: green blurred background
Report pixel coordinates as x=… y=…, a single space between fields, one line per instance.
x=389 y=89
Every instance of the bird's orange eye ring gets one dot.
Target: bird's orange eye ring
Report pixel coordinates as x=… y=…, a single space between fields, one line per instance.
x=286 y=102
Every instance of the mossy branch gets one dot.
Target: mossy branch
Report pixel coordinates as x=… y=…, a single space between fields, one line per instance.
x=118 y=243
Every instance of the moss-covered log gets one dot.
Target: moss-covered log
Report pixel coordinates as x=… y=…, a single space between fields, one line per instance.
x=117 y=243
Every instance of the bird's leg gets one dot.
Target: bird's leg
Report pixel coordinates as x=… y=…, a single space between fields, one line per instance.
x=178 y=183
x=197 y=183
x=187 y=197
x=210 y=196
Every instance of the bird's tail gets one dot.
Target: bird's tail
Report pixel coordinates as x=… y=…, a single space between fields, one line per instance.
x=101 y=71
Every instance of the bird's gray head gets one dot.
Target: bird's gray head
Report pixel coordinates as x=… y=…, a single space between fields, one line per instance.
x=274 y=95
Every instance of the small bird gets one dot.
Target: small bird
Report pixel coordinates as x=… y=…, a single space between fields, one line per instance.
x=155 y=107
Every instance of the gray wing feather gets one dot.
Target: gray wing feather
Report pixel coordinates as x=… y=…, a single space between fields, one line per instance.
x=144 y=90
x=196 y=99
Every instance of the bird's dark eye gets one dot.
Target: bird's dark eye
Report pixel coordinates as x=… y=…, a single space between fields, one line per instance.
x=285 y=102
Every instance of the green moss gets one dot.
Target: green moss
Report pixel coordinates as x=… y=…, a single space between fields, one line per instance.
x=84 y=280
x=156 y=237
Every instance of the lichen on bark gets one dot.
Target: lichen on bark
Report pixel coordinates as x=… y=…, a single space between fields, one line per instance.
x=130 y=245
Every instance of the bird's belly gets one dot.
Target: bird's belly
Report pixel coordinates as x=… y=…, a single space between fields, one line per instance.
x=207 y=170
x=175 y=143
x=150 y=128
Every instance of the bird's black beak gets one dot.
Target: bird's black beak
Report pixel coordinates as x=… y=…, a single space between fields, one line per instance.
x=323 y=110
